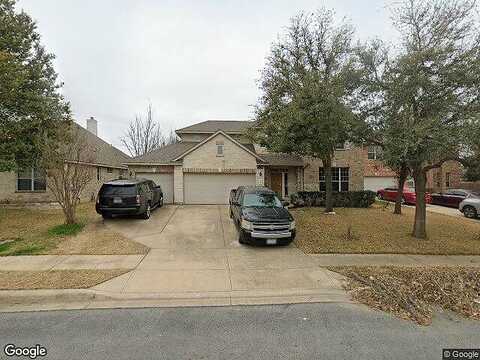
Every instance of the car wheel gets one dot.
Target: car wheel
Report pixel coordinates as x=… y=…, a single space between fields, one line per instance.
x=241 y=237
x=106 y=215
x=380 y=196
x=403 y=202
x=469 y=212
x=148 y=210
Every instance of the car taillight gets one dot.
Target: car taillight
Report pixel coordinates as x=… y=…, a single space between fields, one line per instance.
x=138 y=199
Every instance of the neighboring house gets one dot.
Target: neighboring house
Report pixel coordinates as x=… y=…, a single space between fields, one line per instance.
x=214 y=156
x=30 y=185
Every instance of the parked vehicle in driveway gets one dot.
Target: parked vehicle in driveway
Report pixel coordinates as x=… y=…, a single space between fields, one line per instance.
x=129 y=197
x=260 y=217
x=470 y=207
x=451 y=197
x=409 y=196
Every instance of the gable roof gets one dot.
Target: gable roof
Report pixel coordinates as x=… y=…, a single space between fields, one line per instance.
x=212 y=126
x=103 y=152
x=163 y=155
x=249 y=149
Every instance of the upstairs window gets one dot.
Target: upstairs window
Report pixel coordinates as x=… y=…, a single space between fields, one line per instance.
x=31 y=179
x=340 y=146
x=220 y=148
x=374 y=153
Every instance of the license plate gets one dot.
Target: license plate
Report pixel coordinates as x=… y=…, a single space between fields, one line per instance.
x=271 y=241
x=117 y=200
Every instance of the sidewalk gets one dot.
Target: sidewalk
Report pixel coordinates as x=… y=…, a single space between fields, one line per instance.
x=105 y=262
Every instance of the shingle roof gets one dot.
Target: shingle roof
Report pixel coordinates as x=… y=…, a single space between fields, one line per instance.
x=165 y=154
x=278 y=159
x=103 y=152
x=211 y=126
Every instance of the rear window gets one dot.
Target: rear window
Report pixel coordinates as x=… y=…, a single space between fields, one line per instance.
x=118 y=190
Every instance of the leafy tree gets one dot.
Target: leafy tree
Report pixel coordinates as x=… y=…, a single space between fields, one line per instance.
x=307 y=84
x=433 y=84
x=31 y=107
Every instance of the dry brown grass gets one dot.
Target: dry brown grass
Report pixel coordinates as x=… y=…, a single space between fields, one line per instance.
x=413 y=293
x=26 y=232
x=55 y=279
x=377 y=230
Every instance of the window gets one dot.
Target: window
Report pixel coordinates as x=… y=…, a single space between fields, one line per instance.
x=340 y=146
x=285 y=182
x=31 y=180
x=340 y=178
x=447 y=179
x=98 y=174
x=220 y=148
x=374 y=153
x=109 y=170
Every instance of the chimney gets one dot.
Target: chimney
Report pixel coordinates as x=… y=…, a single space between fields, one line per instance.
x=92 y=125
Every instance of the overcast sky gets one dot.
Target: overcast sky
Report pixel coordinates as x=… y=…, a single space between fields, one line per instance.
x=193 y=60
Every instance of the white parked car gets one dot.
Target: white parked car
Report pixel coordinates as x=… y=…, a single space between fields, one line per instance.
x=470 y=207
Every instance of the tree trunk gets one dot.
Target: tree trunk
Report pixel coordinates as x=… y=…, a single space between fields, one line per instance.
x=69 y=212
x=402 y=177
x=419 y=227
x=327 y=167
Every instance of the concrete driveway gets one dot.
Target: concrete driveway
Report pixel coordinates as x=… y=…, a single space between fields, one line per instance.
x=195 y=254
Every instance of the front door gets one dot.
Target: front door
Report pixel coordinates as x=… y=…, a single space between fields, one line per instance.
x=277 y=183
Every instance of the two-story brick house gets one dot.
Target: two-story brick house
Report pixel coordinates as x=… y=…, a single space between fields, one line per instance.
x=214 y=156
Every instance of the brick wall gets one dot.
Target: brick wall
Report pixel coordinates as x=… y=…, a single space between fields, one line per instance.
x=352 y=157
x=437 y=178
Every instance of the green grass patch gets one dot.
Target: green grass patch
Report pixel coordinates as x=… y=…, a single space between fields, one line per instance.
x=66 y=229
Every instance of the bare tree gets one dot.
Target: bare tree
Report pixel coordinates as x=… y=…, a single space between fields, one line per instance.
x=143 y=135
x=69 y=169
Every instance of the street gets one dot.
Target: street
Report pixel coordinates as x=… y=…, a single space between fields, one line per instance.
x=305 y=331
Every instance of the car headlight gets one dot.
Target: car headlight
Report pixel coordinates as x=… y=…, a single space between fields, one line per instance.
x=247 y=225
x=292 y=225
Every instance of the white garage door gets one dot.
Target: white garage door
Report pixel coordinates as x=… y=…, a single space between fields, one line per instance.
x=165 y=180
x=376 y=183
x=213 y=188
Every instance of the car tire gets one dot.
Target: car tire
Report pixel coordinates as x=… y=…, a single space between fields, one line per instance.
x=470 y=212
x=380 y=196
x=146 y=214
x=106 y=215
x=241 y=237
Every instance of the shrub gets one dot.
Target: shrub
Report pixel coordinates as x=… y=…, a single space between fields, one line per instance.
x=352 y=199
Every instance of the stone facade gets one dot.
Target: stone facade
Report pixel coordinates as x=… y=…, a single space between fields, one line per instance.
x=351 y=157
x=234 y=157
x=178 y=184
x=9 y=193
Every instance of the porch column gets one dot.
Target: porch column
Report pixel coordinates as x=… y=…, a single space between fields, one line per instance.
x=178 y=184
x=260 y=176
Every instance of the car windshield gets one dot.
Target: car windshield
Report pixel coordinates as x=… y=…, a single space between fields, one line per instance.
x=475 y=195
x=261 y=200
x=119 y=190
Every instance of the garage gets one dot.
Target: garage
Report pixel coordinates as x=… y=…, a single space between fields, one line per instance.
x=165 y=180
x=375 y=183
x=213 y=188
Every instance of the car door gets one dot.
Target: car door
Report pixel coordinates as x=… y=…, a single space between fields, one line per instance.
x=456 y=198
x=437 y=198
x=155 y=192
x=390 y=194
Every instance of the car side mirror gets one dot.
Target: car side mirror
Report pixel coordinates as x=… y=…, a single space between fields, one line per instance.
x=285 y=203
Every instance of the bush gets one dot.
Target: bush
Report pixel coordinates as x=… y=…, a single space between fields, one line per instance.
x=352 y=199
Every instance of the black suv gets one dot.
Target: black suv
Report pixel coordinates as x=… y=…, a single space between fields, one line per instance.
x=260 y=217
x=129 y=197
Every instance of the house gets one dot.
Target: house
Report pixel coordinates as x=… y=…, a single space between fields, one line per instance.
x=30 y=185
x=215 y=156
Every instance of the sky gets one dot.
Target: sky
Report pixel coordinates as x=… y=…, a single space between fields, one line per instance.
x=192 y=60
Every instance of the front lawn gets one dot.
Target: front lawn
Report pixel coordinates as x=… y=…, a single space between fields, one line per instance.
x=34 y=232
x=377 y=230
x=56 y=279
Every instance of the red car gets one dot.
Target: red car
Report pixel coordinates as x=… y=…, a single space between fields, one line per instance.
x=409 y=196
